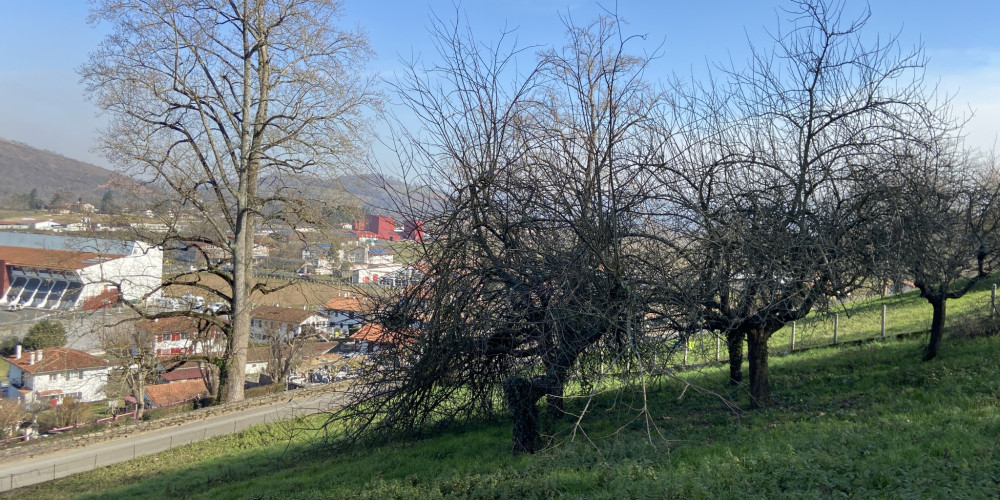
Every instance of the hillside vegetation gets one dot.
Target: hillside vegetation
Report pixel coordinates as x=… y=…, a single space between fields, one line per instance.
x=24 y=168
x=861 y=421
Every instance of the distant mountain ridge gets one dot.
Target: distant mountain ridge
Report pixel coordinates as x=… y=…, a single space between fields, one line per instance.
x=23 y=168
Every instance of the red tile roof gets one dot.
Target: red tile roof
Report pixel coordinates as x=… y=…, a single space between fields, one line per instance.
x=56 y=359
x=176 y=324
x=176 y=392
x=64 y=260
x=345 y=304
x=372 y=332
x=183 y=374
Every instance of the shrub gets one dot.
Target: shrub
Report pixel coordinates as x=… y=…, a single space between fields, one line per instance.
x=263 y=390
x=7 y=345
x=166 y=411
x=69 y=412
x=44 y=334
x=975 y=325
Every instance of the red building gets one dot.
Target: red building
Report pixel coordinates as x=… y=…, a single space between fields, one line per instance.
x=384 y=227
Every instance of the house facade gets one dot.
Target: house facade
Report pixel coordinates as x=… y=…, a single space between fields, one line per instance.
x=54 y=373
x=344 y=313
x=181 y=335
x=284 y=323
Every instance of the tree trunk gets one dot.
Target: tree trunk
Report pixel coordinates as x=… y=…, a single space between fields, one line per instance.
x=937 y=328
x=554 y=399
x=734 y=342
x=140 y=398
x=521 y=395
x=760 y=390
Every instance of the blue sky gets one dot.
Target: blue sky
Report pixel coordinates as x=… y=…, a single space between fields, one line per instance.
x=42 y=42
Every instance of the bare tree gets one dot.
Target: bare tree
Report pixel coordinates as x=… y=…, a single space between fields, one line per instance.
x=531 y=255
x=233 y=109
x=284 y=352
x=947 y=227
x=134 y=361
x=12 y=414
x=776 y=203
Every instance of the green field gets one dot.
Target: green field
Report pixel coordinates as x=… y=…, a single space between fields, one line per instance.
x=906 y=313
x=861 y=421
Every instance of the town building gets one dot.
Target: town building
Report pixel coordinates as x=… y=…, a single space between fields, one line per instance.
x=62 y=272
x=284 y=323
x=51 y=374
x=181 y=335
x=345 y=313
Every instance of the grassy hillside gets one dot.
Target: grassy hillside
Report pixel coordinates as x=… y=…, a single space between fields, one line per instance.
x=857 y=421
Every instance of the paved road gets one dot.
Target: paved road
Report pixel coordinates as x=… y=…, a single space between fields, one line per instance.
x=30 y=471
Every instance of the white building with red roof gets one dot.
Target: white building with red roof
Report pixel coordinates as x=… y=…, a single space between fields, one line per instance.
x=54 y=373
x=346 y=312
x=274 y=322
x=181 y=335
x=61 y=272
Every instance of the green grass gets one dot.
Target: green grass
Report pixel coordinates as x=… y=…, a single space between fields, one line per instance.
x=863 y=421
x=860 y=421
x=906 y=313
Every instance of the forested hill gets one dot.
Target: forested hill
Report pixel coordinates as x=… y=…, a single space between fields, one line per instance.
x=24 y=168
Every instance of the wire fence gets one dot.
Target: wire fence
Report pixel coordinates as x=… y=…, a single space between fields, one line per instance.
x=861 y=321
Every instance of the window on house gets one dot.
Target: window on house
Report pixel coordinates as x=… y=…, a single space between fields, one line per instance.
x=71 y=375
x=159 y=338
x=81 y=374
x=175 y=337
x=53 y=376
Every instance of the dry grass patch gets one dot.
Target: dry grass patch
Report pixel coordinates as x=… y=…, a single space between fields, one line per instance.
x=308 y=294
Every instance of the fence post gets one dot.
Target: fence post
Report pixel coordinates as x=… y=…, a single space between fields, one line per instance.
x=836 y=326
x=883 y=321
x=686 y=351
x=792 y=348
x=993 y=300
x=718 y=347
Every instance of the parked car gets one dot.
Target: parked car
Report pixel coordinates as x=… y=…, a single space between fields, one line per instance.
x=14 y=307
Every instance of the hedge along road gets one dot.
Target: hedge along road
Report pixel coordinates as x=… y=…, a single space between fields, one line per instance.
x=25 y=472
